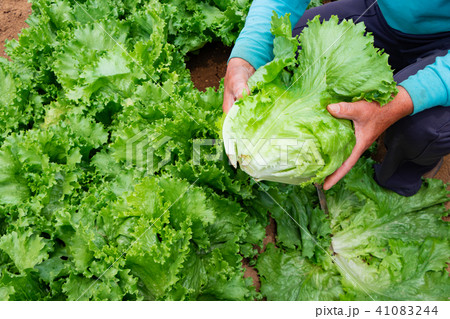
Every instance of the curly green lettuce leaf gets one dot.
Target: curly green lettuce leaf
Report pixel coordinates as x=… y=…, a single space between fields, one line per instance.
x=191 y=24
x=366 y=216
x=25 y=249
x=21 y=287
x=411 y=271
x=286 y=275
x=301 y=225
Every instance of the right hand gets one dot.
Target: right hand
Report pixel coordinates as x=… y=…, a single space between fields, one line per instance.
x=238 y=73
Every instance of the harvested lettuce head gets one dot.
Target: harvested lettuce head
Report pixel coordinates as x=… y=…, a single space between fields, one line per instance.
x=283 y=132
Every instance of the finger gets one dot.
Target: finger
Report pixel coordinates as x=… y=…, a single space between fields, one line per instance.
x=228 y=100
x=331 y=180
x=347 y=111
x=240 y=89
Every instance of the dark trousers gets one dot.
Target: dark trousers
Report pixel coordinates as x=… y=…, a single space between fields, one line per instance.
x=415 y=144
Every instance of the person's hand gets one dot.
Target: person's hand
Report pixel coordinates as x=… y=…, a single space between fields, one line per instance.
x=238 y=73
x=370 y=121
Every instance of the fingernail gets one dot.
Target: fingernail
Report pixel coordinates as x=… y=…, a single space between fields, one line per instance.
x=335 y=108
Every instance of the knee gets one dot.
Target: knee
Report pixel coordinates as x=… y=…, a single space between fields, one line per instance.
x=422 y=128
x=409 y=137
x=405 y=133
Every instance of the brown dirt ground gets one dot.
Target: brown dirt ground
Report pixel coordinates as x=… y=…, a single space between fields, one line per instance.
x=13 y=14
x=207 y=67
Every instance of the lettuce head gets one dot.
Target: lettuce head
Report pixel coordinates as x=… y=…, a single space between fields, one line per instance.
x=283 y=132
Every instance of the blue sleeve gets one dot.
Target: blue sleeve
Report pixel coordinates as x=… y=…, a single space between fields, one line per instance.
x=431 y=86
x=255 y=42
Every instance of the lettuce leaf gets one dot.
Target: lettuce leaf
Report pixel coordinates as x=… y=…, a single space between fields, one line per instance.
x=288 y=276
x=410 y=271
x=377 y=215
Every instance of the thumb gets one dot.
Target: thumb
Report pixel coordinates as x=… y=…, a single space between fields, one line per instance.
x=343 y=110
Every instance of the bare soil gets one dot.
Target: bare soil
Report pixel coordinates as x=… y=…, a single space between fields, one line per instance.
x=208 y=65
x=13 y=14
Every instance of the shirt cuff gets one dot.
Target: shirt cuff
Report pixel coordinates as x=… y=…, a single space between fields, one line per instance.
x=246 y=49
x=425 y=89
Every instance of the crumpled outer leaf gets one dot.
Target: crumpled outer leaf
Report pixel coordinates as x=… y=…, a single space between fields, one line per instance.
x=25 y=249
x=21 y=287
x=412 y=271
x=213 y=275
x=378 y=215
x=288 y=276
x=301 y=225
x=389 y=247
x=19 y=103
x=283 y=132
x=158 y=265
x=8 y=85
x=13 y=189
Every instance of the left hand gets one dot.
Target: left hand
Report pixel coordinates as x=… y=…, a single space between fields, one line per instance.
x=370 y=121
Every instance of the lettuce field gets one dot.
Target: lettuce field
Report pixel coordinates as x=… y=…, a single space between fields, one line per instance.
x=115 y=185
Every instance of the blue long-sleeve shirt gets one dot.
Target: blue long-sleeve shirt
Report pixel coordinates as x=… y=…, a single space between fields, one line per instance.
x=428 y=88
